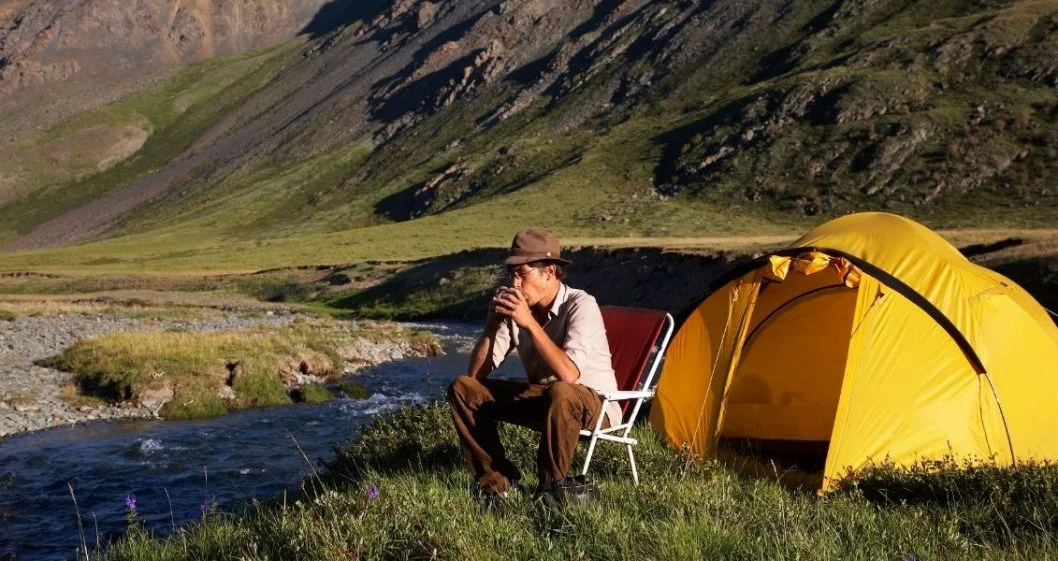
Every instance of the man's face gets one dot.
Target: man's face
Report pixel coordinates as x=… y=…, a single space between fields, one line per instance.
x=531 y=279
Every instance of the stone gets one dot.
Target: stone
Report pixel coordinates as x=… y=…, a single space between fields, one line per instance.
x=226 y=392
x=154 y=398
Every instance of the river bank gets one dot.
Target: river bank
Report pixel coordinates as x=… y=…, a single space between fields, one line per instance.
x=33 y=397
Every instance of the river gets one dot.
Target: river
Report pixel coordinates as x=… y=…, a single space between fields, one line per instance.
x=175 y=468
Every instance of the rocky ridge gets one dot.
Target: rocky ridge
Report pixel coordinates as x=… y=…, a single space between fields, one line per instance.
x=76 y=53
x=815 y=107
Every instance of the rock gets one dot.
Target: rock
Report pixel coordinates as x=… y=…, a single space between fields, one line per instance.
x=154 y=398
x=425 y=15
x=226 y=392
x=26 y=408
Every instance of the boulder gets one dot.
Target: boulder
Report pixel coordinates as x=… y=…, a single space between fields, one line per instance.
x=155 y=397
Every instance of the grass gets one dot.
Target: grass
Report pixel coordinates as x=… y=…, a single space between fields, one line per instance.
x=73 y=396
x=399 y=492
x=8 y=315
x=449 y=295
x=22 y=397
x=354 y=390
x=336 y=204
x=311 y=393
x=212 y=373
x=178 y=112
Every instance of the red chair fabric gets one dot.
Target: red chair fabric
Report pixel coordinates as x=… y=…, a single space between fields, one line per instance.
x=632 y=334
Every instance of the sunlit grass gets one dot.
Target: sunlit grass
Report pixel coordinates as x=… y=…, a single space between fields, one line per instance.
x=400 y=492
x=214 y=372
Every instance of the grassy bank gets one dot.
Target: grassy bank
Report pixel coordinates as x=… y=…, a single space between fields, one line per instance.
x=399 y=492
x=192 y=375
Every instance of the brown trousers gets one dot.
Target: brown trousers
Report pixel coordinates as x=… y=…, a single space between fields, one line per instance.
x=558 y=411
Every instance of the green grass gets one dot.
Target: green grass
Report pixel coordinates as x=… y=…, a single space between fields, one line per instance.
x=450 y=294
x=333 y=203
x=258 y=365
x=682 y=510
x=8 y=315
x=179 y=111
x=354 y=390
x=311 y=393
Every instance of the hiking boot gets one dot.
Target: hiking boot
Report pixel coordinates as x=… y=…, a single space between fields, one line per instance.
x=487 y=498
x=568 y=490
x=545 y=496
x=576 y=490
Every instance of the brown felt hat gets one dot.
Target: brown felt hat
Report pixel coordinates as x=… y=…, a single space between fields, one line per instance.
x=531 y=245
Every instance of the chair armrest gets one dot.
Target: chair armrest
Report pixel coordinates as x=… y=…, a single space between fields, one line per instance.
x=622 y=396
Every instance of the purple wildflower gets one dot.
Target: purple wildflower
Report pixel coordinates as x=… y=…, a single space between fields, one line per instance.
x=130 y=501
x=372 y=493
x=204 y=506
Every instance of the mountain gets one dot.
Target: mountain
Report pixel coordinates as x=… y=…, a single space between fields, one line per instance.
x=607 y=117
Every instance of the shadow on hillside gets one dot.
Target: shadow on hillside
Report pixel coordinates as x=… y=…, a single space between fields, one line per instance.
x=426 y=289
x=419 y=199
x=458 y=286
x=1039 y=276
x=340 y=13
x=414 y=96
x=669 y=175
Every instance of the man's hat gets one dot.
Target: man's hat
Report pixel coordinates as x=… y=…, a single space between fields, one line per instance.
x=534 y=245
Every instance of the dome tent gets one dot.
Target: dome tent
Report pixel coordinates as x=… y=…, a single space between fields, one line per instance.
x=874 y=335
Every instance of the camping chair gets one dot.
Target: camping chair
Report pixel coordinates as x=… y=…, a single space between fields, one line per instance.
x=637 y=336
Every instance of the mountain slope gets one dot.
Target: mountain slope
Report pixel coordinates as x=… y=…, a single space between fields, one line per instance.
x=607 y=118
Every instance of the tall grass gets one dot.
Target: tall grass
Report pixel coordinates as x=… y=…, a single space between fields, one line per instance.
x=258 y=367
x=399 y=492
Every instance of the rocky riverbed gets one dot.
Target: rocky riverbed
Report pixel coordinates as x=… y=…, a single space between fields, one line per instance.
x=31 y=395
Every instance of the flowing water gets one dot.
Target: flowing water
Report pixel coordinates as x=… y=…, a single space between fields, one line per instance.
x=177 y=468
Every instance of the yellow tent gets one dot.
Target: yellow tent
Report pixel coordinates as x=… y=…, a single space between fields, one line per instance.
x=874 y=335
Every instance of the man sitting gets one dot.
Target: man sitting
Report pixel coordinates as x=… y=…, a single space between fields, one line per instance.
x=559 y=335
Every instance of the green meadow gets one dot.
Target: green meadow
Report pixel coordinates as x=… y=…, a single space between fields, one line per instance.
x=399 y=491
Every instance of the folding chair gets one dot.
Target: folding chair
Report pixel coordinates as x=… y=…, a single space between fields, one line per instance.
x=638 y=338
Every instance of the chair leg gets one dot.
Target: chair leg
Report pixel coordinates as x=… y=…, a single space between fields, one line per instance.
x=632 y=460
x=591 y=451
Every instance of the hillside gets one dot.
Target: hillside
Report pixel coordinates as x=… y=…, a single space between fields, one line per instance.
x=61 y=57
x=435 y=126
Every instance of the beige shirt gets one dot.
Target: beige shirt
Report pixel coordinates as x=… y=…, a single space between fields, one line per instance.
x=574 y=323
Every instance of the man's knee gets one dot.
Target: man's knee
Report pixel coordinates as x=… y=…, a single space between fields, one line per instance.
x=460 y=388
x=562 y=392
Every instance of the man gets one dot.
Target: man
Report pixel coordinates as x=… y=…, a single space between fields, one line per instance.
x=559 y=335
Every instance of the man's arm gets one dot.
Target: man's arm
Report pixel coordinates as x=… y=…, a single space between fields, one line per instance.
x=513 y=305
x=480 y=366
x=555 y=356
x=481 y=362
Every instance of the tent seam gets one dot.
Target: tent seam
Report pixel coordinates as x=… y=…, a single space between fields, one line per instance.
x=1003 y=416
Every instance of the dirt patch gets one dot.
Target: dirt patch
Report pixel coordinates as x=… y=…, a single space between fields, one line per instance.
x=99 y=147
x=8 y=186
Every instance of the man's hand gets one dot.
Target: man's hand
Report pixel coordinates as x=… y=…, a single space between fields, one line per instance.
x=511 y=303
x=493 y=319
